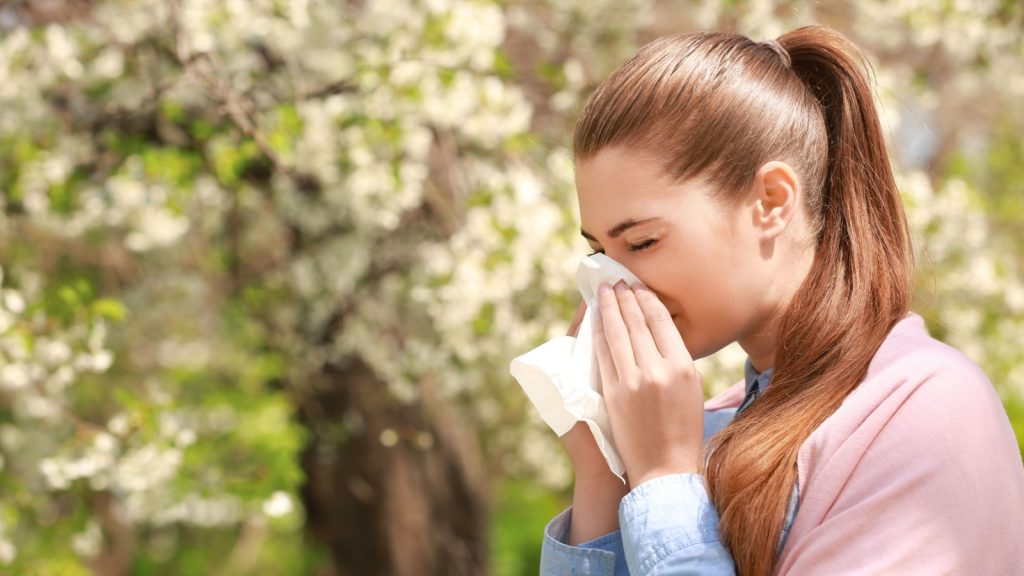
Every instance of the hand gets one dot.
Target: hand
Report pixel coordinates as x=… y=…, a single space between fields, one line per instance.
x=652 y=390
x=597 y=492
x=579 y=442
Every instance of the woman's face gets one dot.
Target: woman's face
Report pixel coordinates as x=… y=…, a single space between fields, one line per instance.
x=701 y=258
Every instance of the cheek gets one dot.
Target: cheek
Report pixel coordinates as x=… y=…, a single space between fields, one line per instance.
x=694 y=273
x=675 y=273
x=699 y=287
x=670 y=277
x=704 y=288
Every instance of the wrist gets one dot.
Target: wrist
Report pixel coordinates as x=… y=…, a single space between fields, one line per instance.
x=596 y=502
x=582 y=450
x=604 y=481
x=595 y=472
x=661 y=472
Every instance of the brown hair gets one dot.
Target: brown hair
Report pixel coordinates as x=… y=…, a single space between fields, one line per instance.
x=718 y=106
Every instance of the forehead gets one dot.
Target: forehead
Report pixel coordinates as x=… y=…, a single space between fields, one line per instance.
x=620 y=168
x=619 y=183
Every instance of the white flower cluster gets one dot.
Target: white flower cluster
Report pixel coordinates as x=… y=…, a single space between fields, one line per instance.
x=38 y=362
x=422 y=70
x=126 y=201
x=968 y=277
x=443 y=223
x=94 y=463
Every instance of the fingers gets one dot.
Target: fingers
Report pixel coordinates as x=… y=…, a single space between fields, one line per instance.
x=644 y=348
x=603 y=353
x=615 y=332
x=666 y=336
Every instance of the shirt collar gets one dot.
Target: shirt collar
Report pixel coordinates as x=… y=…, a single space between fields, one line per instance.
x=755 y=378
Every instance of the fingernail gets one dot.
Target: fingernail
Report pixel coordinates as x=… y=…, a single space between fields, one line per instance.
x=637 y=285
x=603 y=289
x=620 y=285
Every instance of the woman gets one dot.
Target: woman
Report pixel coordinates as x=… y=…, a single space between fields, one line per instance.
x=748 y=186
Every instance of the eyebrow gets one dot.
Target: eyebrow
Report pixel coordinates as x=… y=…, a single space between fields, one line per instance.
x=621 y=227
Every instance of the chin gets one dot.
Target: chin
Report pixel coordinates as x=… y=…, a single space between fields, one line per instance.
x=697 y=347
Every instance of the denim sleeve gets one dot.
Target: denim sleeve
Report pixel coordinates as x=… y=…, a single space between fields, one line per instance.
x=684 y=516
x=670 y=527
x=601 y=556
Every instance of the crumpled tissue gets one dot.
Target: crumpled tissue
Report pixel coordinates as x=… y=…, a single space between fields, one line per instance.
x=561 y=377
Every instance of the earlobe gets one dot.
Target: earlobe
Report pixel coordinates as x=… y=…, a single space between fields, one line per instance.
x=778 y=195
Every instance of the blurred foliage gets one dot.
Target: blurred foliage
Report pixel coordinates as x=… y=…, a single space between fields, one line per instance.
x=194 y=193
x=522 y=509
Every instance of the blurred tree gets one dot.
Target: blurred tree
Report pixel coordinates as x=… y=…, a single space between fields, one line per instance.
x=263 y=264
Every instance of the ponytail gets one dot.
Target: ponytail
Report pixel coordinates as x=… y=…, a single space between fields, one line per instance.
x=858 y=287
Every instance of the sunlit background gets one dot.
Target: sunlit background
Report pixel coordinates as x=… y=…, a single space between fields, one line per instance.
x=264 y=263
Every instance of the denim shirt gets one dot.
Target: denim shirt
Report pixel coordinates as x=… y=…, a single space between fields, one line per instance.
x=667 y=526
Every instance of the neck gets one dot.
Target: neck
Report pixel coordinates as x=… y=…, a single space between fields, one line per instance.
x=761 y=360
x=761 y=340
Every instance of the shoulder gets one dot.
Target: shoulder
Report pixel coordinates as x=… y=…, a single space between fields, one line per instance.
x=924 y=436
x=940 y=402
x=912 y=371
x=931 y=482
x=950 y=411
x=920 y=376
x=910 y=348
x=924 y=409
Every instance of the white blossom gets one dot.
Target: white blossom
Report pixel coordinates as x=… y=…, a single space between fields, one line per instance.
x=279 y=504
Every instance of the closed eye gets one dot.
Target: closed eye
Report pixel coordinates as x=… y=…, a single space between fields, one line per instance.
x=642 y=246
x=632 y=247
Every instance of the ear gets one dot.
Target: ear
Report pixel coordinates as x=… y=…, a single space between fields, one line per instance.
x=777 y=196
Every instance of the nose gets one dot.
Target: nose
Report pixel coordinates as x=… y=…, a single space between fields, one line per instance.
x=661 y=297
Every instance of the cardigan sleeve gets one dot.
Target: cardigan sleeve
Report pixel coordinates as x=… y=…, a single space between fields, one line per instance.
x=936 y=486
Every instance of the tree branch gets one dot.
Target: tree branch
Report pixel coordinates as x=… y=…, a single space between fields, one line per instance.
x=240 y=109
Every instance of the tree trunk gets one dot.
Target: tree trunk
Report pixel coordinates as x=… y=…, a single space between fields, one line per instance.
x=402 y=494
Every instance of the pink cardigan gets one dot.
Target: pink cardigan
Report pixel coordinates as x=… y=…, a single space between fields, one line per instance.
x=917 y=472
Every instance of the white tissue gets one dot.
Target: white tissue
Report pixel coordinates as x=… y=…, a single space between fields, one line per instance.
x=561 y=376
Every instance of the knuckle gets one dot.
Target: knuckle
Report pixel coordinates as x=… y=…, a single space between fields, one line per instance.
x=628 y=377
x=607 y=306
x=616 y=337
x=634 y=324
x=648 y=297
x=658 y=314
x=687 y=372
x=612 y=395
x=653 y=375
x=627 y=299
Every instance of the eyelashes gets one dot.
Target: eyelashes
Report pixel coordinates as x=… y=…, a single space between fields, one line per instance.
x=632 y=247
x=642 y=246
